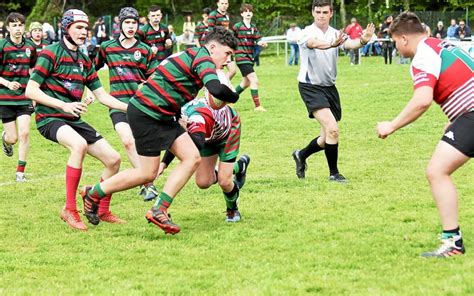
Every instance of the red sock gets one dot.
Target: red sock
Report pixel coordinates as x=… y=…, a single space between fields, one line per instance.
x=73 y=176
x=104 y=205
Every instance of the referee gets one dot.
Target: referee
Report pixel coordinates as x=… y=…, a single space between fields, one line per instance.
x=319 y=47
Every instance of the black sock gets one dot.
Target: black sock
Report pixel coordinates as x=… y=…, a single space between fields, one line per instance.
x=331 y=152
x=454 y=231
x=312 y=148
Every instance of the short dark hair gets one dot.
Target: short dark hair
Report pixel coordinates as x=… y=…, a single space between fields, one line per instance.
x=245 y=6
x=206 y=10
x=222 y=36
x=154 y=8
x=15 y=17
x=321 y=3
x=406 y=23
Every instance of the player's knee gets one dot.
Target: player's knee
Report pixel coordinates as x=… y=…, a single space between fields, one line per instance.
x=194 y=160
x=113 y=161
x=225 y=182
x=129 y=144
x=24 y=135
x=12 y=139
x=80 y=147
x=203 y=184
x=432 y=173
x=333 y=132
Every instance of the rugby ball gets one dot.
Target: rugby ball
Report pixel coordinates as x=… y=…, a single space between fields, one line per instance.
x=213 y=102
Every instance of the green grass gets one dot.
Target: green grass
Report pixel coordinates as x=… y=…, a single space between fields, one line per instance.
x=297 y=237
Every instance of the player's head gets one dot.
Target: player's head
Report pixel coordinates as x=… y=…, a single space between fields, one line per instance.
x=405 y=30
x=36 y=31
x=128 y=18
x=246 y=11
x=222 y=5
x=322 y=11
x=205 y=13
x=221 y=44
x=154 y=15
x=74 y=25
x=16 y=24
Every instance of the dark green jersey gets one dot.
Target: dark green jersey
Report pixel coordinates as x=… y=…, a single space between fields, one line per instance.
x=248 y=38
x=62 y=74
x=15 y=63
x=201 y=32
x=217 y=19
x=128 y=67
x=39 y=47
x=177 y=80
x=155 y=38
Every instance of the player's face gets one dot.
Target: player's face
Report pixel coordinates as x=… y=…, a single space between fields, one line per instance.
x=129 y=27
x=78 y=32
x=247 y=15
x=222 y=5
x=155 y=17
x=37 y=34
x=220 y=54
x=322 y=15
x=16 y=29
x=401 y=43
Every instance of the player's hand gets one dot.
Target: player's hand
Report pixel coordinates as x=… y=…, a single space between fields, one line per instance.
x=13 y=85
x=76 y=108
x=88 y=100
x=384 y=129
x=161 y=169
x=168 y=43
x=263 y=44
x=368 y=33
x=341 y=37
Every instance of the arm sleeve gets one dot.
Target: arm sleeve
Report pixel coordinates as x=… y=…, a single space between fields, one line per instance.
x=221 y=91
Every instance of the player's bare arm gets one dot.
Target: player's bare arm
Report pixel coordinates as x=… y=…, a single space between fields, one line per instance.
x=419 y=103
x=11 y=85
x=109 y=101
x=34 y=93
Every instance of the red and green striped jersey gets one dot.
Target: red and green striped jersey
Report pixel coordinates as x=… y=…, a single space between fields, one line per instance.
x=128 y=67
x=15 y=63
x=39 y=47
x=155 y=38
x=177 y=80
x=201 y=32
x=62 y=75
x=248 y=38
x=218 y=19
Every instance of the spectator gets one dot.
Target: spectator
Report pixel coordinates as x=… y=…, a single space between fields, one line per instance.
x=373 y=47
x=387 y=45
x=462 y=31
x=354 y=31
x=189 y=25
x=116 y=28
x=439 y=32
x=172 y=36
x=100 y=30
x=292 y=35
x=3 y=31
x=451 y=31
x=59 y=32
x=141 y=22
x=90 y=45
x=48 y=29
x=427 y=29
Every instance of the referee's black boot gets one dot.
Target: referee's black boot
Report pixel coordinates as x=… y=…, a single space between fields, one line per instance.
x=300 y=164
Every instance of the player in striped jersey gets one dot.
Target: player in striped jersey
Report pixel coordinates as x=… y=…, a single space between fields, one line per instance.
x=57 y=85
x=36 y=32
x=220 y=18
x=442 y=73
x=152 y=114
x=216 y=134
x=17 y=58
x=249 y=37
x=130 y=63
x=155 y=33
x=202 y=28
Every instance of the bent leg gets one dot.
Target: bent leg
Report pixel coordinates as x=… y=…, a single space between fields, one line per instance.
x=205 y=175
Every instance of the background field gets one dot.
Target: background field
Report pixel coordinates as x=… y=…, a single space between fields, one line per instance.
x=296 y=237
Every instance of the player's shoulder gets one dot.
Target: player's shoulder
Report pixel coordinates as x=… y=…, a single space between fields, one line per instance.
x=29 y=43
x=213 y=13
x=109 y=43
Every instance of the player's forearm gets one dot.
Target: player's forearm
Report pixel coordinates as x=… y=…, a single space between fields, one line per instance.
x=34 y=93
x=354 y=43
x=314 y=43
x=414 y=109
x=4 y=82
x=109 y=101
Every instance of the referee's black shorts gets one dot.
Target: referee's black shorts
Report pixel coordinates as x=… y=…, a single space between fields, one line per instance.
x=317 y=97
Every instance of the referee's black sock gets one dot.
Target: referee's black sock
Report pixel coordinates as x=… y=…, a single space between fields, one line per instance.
x=331 y=152
x=312 y=148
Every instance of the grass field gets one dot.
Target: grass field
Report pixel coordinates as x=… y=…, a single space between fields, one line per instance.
x=297 y=237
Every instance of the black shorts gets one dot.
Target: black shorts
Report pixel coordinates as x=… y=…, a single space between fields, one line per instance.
x=152 y=136
x=11 y=113
x=246 y=69
x=460 y=134
x=50 y=130
x=118 y=117
x=317 y=97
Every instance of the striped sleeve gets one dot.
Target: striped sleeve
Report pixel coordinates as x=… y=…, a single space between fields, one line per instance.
x=44 y=66
x=204 y=66
x=92 y=80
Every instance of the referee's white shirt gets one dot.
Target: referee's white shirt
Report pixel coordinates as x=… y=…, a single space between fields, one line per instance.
x=318 y=66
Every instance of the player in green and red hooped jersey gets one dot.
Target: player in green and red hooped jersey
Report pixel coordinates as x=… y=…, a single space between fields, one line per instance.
x=152 y=114
x=249 y=37
x=57 y=85
x=156 y=34
x=220 y=18
x=17 y=58
x=202 y=28
x=130 y=63
x=36 y=32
